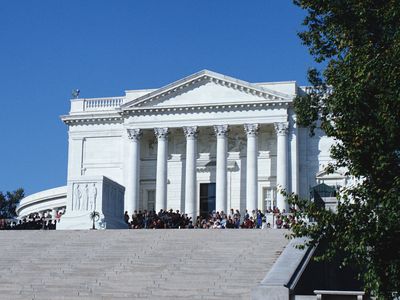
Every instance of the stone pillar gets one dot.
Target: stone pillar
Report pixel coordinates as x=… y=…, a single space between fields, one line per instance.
x=162 y=158
x=281 y=161
x=191 y=134
x=133 y=175
x=222 y=161
x=251 y=169
x=294 y=157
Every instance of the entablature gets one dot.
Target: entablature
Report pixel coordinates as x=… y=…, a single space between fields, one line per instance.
x=100 y=118
x=206 y=108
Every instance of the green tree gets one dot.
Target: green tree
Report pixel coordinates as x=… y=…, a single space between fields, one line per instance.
x=9 y=202
x=356 y=100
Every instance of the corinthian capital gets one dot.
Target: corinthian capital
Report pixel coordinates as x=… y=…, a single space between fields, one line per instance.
x=134 y=134
x=281 y=128
x=161 y=133
x=191 y=132
x=251 y=129
x=221 y=130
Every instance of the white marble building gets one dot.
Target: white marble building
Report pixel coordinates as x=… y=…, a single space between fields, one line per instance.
x=205 y=142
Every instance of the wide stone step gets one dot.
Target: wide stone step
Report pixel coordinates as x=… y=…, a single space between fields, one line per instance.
x=136 y=264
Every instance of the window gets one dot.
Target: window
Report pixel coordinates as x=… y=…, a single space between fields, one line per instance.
x=269 y=198
x=151 y=199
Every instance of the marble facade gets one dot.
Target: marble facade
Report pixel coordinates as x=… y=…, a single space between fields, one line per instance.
x=162 y=144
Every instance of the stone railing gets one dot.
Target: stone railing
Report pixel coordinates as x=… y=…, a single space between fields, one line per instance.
x=97 y=104
x=282 y=278
x=339 y=294
x=311 y=89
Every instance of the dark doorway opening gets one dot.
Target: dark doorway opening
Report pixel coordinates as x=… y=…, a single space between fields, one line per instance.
x=207 y=198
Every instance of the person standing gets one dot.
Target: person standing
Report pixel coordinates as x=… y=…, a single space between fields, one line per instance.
x=259 y=219
x=126 y=217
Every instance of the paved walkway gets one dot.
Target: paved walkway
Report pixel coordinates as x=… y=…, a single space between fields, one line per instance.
x=136 y=264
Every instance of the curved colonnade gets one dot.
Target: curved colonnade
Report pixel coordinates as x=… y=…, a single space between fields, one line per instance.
x=50 y=201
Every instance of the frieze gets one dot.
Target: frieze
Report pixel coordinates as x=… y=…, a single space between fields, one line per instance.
x=254 y=106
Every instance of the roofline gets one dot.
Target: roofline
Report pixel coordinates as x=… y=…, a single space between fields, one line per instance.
x=198 y=75
x=141 y=90
x=275 y=82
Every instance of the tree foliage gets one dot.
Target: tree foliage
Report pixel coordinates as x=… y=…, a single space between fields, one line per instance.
x=9 y=202
x=356 y=100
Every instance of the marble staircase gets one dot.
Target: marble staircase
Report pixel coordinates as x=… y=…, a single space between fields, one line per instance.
x=136 y=264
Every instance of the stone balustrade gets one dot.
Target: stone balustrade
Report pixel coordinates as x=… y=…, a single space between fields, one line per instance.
x=95 y=104
x=98 y=104
x=311 y=89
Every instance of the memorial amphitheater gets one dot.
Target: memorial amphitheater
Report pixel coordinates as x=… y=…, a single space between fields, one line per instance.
x=206 y=143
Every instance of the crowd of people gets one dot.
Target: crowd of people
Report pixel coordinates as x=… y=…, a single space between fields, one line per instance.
x=32 y=222
x=271 y=218
x=215 y=220
x=27 y=224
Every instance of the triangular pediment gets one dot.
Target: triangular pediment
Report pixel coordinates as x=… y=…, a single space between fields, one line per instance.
x=205 y=88
x=323 y=174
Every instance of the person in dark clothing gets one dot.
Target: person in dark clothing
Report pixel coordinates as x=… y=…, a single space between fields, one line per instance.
x=126 y=217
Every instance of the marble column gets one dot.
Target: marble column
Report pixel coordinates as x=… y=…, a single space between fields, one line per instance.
x=191 y=134
x=133 y=174
x=221 y=200
x=294 y=156
x=162 y=159
x=251 y=167
x=282 y=165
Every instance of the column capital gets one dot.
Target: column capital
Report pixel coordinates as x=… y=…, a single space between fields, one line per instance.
x=221 y=130
x=161 y=133
x=134 y=134
x=281 y=128
x=251 y=129
x=191 y=132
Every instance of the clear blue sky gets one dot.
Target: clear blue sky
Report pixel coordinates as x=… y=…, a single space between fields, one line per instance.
x=49 y=47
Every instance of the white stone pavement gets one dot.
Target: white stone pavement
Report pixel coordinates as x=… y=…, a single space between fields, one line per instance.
x=136 y=264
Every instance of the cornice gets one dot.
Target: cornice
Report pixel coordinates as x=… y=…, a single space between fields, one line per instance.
x=109 y=118
x=196 y=108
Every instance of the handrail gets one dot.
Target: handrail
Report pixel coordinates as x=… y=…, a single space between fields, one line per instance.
x=320 y=293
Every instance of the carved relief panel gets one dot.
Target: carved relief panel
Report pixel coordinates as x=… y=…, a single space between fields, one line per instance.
x=84 y=196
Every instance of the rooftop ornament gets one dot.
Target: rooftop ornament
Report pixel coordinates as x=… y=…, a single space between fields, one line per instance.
x=75 y=93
